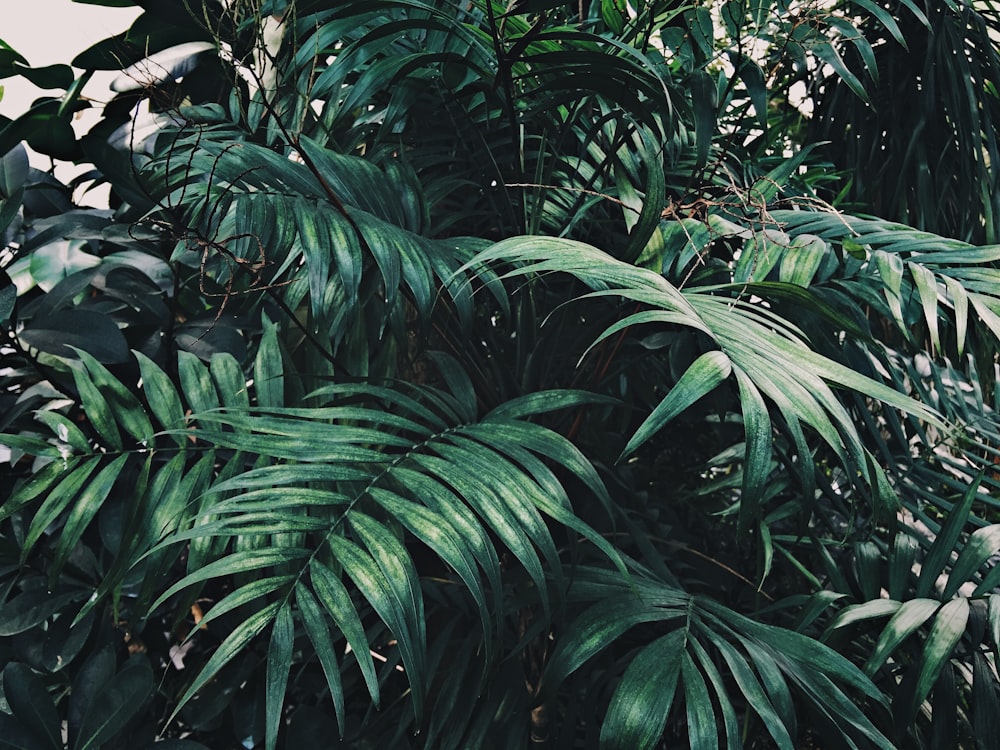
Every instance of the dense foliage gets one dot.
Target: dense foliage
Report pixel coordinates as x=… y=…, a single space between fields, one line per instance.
x=459 y=374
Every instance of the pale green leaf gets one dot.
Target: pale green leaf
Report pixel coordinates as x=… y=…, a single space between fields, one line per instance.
x=981 y=545
x=865 y=611
x=947 y=630
x=910 y=616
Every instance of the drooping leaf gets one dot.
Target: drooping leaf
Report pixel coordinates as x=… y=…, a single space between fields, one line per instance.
x=319 y=633
x=701 y=378
x=948 y=628
x=908 y=617
x=164 y=401
x=941 y=550
x=124 y=406
x=703 y=726
x=757 y=455
x=279 y=664
x=595 y=629
x=370 y=580
x=980 y=546
x=333 y=595
x=641 y=703
x=234 y=643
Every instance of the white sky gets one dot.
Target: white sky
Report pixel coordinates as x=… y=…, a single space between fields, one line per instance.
x=47 y=32
x=67 y=29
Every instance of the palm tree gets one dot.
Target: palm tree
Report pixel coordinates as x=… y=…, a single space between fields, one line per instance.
x=470 y=375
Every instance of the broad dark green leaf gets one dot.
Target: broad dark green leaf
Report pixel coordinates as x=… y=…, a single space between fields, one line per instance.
x=49 y=76
x=65 y=331
x=32 y=607
x=14 y=735
x=115 y=705
x=31 y=704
